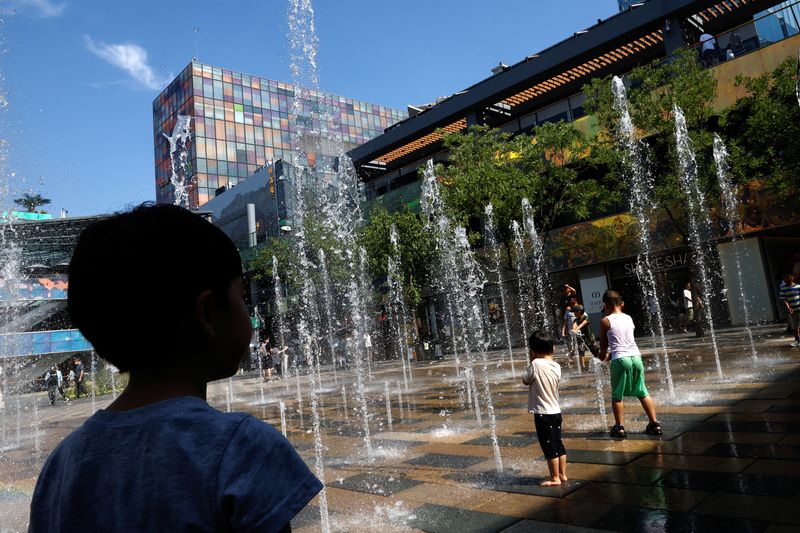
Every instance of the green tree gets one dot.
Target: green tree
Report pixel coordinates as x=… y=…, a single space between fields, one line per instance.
x=488 y=166
x=30 y=201
x=762 y=131
x=285 y=249
x=654 y=89
x=416 y=245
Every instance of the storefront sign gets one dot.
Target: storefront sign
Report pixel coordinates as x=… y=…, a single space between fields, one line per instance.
x=592 y=289
x=660 y=263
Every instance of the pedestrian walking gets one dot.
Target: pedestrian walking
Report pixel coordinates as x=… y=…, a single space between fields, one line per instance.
x=80 y=375
x=54 y=381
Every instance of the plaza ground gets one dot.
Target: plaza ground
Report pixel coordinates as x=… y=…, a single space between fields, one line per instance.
x=729 y=458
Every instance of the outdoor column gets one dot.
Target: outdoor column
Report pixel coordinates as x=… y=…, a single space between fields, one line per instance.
x=251 y=225
x=673 y=35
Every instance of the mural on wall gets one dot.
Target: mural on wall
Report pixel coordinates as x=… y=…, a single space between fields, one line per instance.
x=605 y=239
x=614 y=237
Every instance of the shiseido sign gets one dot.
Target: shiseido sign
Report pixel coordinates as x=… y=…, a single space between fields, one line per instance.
x=660 y=263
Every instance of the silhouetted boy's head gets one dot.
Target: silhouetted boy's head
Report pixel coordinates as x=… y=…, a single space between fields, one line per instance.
x=157 y=288
x=788 y=277
x=540 y=343
x=612 y=300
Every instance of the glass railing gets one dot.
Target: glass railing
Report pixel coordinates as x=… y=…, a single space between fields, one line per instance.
x=398 y=199
x=774 y=25
x=768 y=27
x=42 y=343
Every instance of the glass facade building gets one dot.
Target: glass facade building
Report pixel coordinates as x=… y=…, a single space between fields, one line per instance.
x=241 y=122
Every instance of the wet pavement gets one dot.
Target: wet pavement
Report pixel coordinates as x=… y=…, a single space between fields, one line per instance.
x=729 y=459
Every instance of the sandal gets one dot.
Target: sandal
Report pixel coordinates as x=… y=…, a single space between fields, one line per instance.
x=653 y=428
x=618 y=432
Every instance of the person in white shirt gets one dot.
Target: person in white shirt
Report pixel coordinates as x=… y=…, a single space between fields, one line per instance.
x=708 y=48
x=688 y=306
x=542 y=377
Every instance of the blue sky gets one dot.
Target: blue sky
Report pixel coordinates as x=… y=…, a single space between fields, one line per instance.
x=80 y=75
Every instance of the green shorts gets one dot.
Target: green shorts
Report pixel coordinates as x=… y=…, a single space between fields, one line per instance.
x=627 y=378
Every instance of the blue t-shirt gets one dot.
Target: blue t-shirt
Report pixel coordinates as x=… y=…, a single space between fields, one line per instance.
x=175 y=465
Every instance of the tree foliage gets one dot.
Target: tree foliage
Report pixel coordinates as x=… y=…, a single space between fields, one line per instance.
x=417 y=250
x=285 y=249
x=30 y=201
x=763 y=128
x=489 y=166
x=653 y=91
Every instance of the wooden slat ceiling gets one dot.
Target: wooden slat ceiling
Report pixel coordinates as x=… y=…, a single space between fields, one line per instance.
x=430 y=138
x=586 y=69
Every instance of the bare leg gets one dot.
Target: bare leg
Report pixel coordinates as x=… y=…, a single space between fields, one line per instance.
x=562 y=466
x=555 y=479
x=649 y=408
x=619 y=411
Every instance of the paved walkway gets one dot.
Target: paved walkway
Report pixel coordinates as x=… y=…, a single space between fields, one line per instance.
x=729 y=459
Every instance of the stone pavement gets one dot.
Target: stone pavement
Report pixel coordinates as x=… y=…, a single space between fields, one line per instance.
x=729 y=459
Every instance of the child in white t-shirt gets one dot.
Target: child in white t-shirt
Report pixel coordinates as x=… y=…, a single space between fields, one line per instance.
x=542 y=377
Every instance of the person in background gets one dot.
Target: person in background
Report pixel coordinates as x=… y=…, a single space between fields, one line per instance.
x=276 y=355
x=80 y=375
x=735 y=44
x=790 y=297
x=708 y=49
x=368 y=346
x=568 y=295
x=567 y=322
x=54 y=381
x=584 y=336
x=285 y=362
x=266 y=359
x=688 y=306
x=699 y=313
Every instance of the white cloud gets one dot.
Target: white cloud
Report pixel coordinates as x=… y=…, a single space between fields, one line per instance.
x=41 y=8
x=131 y=58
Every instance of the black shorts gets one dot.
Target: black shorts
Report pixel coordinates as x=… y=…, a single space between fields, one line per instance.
x=548 y=431
x=266 y=362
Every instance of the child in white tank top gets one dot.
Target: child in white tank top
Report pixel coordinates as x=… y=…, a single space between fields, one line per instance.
x=627 y=370
x=620 y=336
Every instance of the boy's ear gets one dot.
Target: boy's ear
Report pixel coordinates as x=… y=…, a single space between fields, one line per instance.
x=204 y=313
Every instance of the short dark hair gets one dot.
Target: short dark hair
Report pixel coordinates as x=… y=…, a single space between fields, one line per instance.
x=540 y=341
x=612 y=298
x=157 y=259
x=577 y=307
